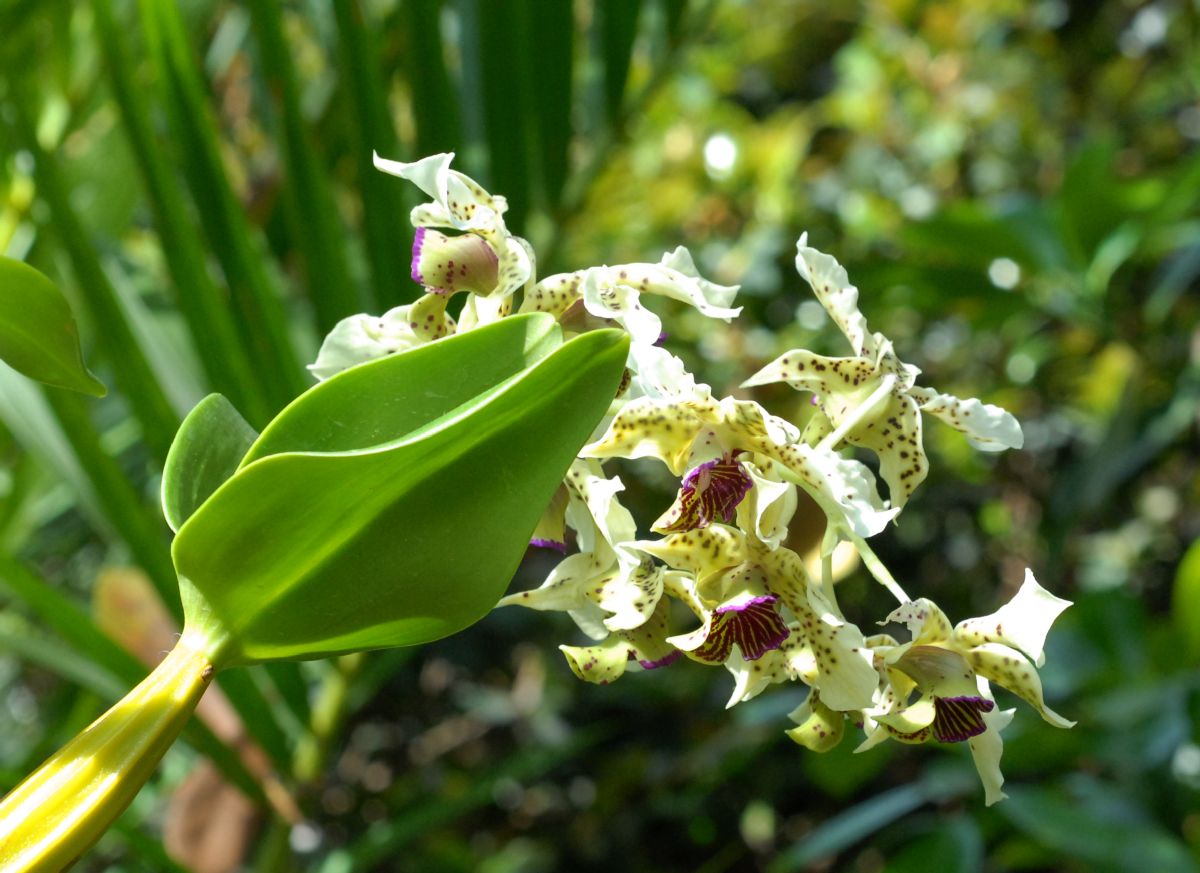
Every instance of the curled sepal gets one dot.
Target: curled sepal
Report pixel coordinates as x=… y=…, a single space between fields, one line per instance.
x=644 y=646
x=358 y=339
x=831 y=284
x=819 y=728
x=844 y=488
x=1009 y=668
x=1022 y=623
x=769 y=509
x=987 y=427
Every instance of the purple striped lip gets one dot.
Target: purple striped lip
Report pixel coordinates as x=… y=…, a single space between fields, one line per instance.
x=755 y=625
x=549 y=544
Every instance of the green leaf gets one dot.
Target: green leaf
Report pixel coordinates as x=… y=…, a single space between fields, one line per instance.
x=207 y=450
x=404 y=525
x=372 y=404
x=38 y=336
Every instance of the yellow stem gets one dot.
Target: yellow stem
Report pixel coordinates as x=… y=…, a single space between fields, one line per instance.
x=54 y=816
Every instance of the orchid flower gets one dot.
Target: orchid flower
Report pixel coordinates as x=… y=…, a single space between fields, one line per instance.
x=871 y=400
x=487 y=251
x=951 y=670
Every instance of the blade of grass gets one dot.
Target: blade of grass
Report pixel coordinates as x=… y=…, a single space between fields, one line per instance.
x=133 y=374
x=314 y=226
x=551 y=28
x=503 y=88
x=434 y=102
x=236 y=244
x=137 y=525
x=385 y=227
x=203 y=305
x=618 y=29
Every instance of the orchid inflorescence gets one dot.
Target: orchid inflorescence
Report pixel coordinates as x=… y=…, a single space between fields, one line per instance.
x=764 y=612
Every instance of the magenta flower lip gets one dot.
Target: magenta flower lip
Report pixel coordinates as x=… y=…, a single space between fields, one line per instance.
x=755 y=625
x=710 y=492
x=549 y=544
x=957 y=719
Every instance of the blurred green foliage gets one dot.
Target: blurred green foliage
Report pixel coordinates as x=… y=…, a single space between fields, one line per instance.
x=1013 y=184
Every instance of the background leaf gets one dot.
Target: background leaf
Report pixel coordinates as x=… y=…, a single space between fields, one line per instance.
x=38 y=336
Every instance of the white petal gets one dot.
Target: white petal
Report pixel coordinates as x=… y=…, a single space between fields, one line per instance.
x=769 y=507
x=1022 y=623
x=458 y=200
x=844 y=488
x=683 y=282
x=987 y=748
x=832 y=286
x=605 y=298
x=987 y=427
x=361 y=338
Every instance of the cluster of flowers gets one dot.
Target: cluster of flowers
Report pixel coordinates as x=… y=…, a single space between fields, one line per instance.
x=761 y=611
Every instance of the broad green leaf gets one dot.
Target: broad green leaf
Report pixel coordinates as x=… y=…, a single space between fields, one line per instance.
x=207 y=450
x=409 y=536
x=382 y=401
x=38 y=336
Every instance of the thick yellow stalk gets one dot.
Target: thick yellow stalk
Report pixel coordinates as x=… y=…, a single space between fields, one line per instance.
x=60 y=810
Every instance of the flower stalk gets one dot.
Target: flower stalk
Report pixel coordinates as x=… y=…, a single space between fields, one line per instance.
x=59 y=811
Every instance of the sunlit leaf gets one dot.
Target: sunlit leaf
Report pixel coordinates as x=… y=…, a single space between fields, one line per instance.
x=387 y=527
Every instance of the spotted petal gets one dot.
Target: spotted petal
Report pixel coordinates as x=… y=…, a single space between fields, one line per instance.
x=1007 y=667
x=832 y=286
x=988 y=747
x=819 y=728
x=458 y=200
x=1022 y=623
x=647 y=428
x=987 y=427
x=806 y=371
x=844 y=488
x=361 y=338
x=702 y=553
x=846 y=676
x=895 y=438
